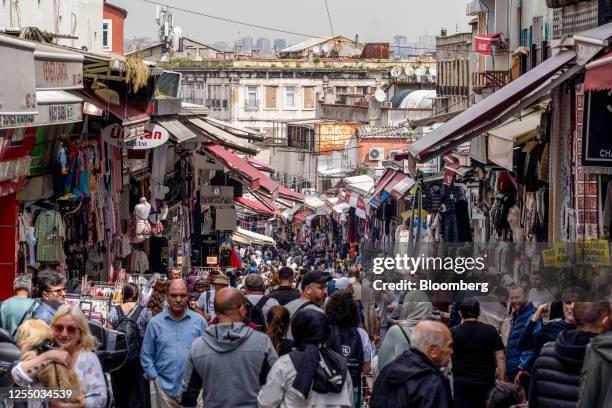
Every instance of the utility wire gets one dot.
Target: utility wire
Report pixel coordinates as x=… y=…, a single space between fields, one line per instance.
x=330 y=20
x=228 y=20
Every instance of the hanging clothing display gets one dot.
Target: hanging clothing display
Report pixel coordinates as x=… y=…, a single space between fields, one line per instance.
x=49 y=231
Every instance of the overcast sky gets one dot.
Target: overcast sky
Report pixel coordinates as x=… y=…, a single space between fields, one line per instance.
x=373 y=20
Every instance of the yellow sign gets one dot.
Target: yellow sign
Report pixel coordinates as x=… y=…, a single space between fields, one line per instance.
x=561 y=255
x=593 y=252
x=334 y=136
x=549 y=257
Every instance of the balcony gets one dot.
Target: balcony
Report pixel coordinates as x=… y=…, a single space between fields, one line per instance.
x=251 y=105
x=492 y=80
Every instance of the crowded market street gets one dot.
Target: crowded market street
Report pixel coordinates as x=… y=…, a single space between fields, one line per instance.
x=220 y=205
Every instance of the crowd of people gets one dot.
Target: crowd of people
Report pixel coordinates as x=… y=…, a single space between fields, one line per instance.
x=301 y=327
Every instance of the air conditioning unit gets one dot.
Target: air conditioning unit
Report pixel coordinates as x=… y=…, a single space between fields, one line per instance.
x=394 y=153
x=387 y=104
x=308 y=191
x=376 y=153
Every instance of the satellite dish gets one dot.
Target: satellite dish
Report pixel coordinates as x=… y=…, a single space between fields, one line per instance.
x=316 y=49
x=326 y=48
x=421 y=71
x=433 y=71
x=396 y=71
x=409 y=70
x=380 y=95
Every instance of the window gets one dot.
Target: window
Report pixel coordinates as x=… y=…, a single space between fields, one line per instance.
x=107 y=35
x=271 y=97
x=290 y=97
x=309 y=97
x=251 y=98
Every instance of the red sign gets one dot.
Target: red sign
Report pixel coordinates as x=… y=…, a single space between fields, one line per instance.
x=482 y=43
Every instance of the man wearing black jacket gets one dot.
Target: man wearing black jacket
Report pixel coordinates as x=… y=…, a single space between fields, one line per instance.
x=285 y=293
x=556 y=373
x=414 y=378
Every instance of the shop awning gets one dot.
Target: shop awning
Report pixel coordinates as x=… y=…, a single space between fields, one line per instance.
x=399 y=184
x=263 y=198
x=501 y=140
x=599 y=74
x=222 y=137
x=260 y=165
x=18 y=84
x=235 y=163
x=357 y=202
x=590 y=42
x=252 y=205
x=238 y=131
x=341 y=208
x=128 y=113
x=293 y=195
x=290 y=212
x=359 y=184
x=57 y=107
x=476 y=119
x=392 y=183
x=249 y=237
x=180 y=133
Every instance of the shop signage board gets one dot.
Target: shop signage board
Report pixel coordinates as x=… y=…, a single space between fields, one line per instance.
x=18 y=84
x=139 y=137
x=597 y=136
x=429 y=167
x=218 y=196
x=58 y=71
x=54 y=114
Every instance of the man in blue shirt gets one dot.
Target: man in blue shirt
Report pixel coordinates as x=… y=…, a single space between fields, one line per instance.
x=53 y=292
x=167 y=343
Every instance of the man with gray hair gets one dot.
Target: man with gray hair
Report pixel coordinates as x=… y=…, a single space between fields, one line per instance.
x=19 y=307
x=415 y=378
x=258 y=304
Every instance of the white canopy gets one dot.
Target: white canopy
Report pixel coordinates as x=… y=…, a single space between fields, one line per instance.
x=248 y=237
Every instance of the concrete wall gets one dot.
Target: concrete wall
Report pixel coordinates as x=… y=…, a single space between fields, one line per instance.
x=80 y=18
x=288 y=162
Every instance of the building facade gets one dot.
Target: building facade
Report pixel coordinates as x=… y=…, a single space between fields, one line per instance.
x=113 y=28
x=75 y=23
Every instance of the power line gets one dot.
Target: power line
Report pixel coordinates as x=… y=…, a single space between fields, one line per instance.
x=228 y=20
x=330 y=20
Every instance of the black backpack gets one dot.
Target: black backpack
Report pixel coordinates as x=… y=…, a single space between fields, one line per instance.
x=127 y=324
x=346 y=341
x=255 y=313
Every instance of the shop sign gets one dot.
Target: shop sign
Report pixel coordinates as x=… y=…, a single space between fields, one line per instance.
x=18 y=84
x=596 y=141
x=211 y=260
x=139 y=137
x=59 y=74
x=59 y=113
x=429 y=167
x=595 y=252
x=9 y=121
x=217 y=195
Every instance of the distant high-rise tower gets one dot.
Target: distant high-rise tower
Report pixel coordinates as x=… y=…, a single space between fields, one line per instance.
x=247 y=44
x=280 y=44
x=399 y=46
x=263 y=45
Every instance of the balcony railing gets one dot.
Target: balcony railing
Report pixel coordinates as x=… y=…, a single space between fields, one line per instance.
x=251 y=105
x=491 y=79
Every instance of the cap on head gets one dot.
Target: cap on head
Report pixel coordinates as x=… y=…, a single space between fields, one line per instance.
x=343 y=283
x=315 y=277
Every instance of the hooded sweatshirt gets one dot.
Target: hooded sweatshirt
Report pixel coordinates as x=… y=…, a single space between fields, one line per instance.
x=416 y=309
x=411 y=380
x=595 y=384
x=555 y=376
x=230 y=363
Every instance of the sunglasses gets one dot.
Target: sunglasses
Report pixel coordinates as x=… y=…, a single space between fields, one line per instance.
x=59 y=329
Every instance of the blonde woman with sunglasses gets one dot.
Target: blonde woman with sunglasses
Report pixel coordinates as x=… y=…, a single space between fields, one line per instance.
x=75 y=348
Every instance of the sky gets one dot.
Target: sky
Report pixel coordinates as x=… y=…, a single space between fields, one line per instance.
x=373 y=20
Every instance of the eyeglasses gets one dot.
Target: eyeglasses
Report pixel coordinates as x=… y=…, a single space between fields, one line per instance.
x=57 y=291
x=59 y=329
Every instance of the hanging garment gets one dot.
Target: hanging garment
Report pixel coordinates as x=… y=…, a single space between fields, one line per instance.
x=139 y=262
x=50 y=233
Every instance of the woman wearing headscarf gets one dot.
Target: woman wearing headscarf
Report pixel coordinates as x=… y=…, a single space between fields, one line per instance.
x=311 y=375
x=417 y=308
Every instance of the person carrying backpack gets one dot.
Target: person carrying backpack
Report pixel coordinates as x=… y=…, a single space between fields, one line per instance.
x=18 y=308
x=347 y=338
x=257 y=303
x=130 y=388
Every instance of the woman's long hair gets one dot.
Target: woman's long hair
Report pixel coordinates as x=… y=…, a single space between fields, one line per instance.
x=341 y=309
x=88 y=342
x=277 y=321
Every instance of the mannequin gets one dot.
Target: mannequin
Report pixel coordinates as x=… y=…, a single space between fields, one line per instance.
x=143 y=227
x=514 y=220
